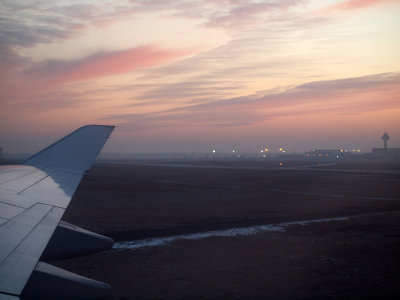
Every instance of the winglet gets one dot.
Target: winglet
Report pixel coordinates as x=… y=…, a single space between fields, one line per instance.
x=76 y=151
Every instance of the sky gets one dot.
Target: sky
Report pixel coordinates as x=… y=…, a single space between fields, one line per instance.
x=192 y=76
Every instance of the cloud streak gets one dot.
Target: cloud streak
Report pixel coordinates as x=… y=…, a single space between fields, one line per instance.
x=356 y=4
x=241 y=14
x=164 y=66
x=368 y=93
x=105 y=64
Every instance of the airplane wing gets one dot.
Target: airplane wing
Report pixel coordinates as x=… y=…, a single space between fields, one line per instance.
x=33 y=198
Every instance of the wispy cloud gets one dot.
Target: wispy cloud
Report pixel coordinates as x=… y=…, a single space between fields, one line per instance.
x=185 y=63
x=376 y=92
x=104 y=64
x=355 y=4
x=236 y=13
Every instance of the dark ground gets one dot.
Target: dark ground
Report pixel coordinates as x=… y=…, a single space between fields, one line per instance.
x=358 y=258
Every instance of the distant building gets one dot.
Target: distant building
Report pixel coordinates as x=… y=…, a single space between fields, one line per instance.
x=1 y=153
x=386 y=152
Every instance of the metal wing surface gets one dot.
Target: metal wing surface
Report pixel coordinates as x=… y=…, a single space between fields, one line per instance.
x=33 y=198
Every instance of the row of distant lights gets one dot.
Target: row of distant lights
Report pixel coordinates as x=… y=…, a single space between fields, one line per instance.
x=354 y=150
x=344 y=150
x=266 y=150
x=281 y=150
x=337 y=156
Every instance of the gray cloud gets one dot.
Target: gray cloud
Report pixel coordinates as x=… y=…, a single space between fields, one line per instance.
x=247 y=110
x=189 y=92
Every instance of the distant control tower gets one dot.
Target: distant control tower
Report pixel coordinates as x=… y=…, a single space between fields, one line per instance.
x=386 y=152
x=385 y=138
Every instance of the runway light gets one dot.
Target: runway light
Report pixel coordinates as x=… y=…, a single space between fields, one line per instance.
x=233 y=151
x=281 y=164
x=213 y=151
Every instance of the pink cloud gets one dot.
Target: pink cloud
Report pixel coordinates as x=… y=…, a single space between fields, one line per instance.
x=106 y=64
x=349 y=96
x=356 y=4
x=323 y=112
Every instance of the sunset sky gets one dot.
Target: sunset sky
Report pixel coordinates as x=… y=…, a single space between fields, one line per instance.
x=195 y=75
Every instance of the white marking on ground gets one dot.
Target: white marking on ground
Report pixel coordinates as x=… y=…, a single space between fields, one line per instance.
x=232 y=232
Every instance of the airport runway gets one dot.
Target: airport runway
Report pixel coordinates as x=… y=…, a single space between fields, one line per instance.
x=242 y=233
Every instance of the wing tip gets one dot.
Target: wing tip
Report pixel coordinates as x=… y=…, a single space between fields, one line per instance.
x=97 y=125
x=61 y=152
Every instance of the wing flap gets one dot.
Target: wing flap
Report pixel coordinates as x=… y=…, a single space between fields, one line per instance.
x=20 y=254
x=8 y=211
x=56 y=189
x=13 y=172
x=20 y=178
x=15 y=199
x=15 y=230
